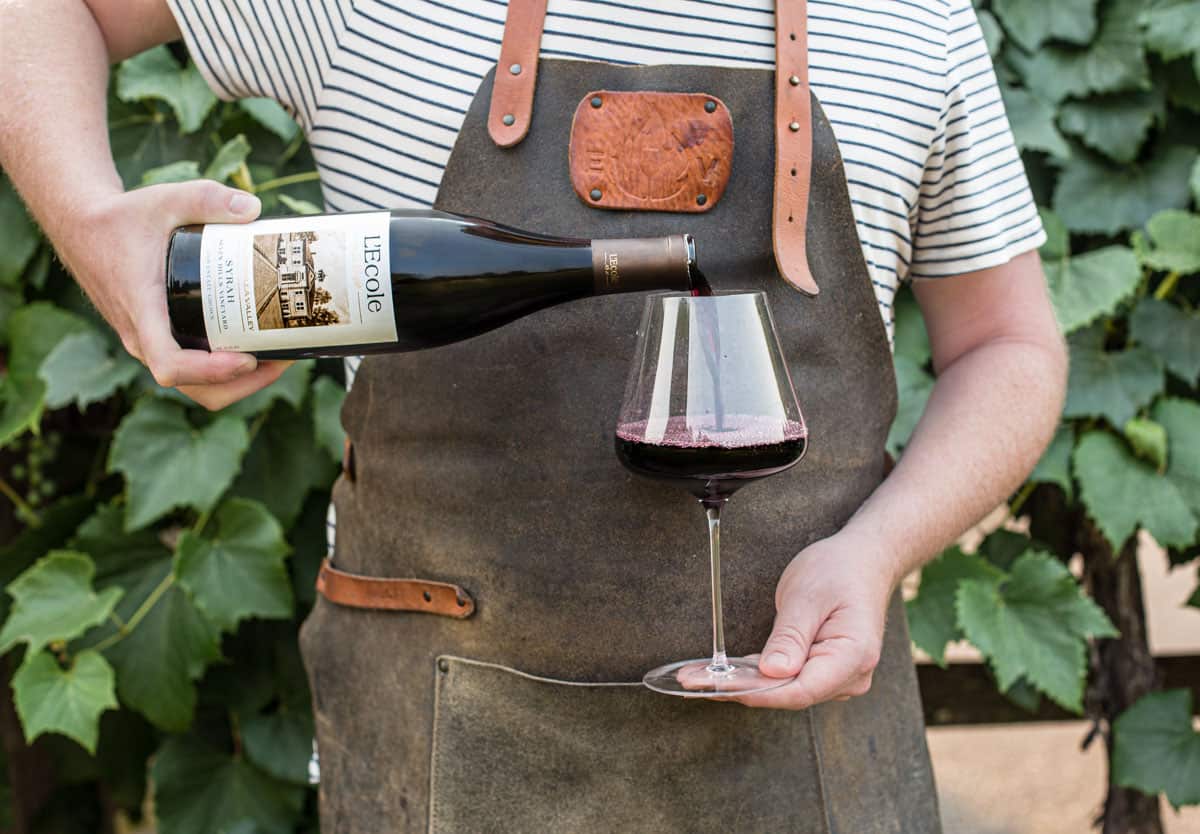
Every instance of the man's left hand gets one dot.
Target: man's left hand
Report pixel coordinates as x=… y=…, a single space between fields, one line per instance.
x=831 y=604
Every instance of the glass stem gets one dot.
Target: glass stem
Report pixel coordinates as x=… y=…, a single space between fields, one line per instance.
x=720 y=663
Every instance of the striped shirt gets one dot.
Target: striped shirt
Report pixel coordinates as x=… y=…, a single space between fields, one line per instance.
x=381 y=88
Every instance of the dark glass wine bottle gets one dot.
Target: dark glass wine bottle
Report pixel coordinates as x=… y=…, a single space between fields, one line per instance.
x=375 y=282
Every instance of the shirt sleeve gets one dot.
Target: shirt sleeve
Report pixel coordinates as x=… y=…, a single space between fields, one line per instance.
x=277 y=49
x=975 y=209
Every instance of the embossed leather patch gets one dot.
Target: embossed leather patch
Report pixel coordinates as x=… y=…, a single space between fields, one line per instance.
x=651 y=151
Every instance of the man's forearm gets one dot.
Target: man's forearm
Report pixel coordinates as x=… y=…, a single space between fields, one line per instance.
x=991 y=413
x=53 y=132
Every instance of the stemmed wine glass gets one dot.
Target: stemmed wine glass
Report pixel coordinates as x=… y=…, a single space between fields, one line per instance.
x=709 y=407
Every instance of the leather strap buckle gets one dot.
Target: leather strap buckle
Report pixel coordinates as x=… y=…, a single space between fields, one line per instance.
x=383 y=594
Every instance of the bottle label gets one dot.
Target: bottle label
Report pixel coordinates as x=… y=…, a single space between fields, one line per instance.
x=298 y=282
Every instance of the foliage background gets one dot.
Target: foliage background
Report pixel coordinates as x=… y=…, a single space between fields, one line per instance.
x=162 y=557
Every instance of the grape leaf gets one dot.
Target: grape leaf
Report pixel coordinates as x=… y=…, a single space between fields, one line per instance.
x=34 y=330
x=291 y=387
x=1171 y=333
x=298 y=206
x=993 y=34
x=54 y=600
x=181 y=170
x=1086 y=286
x=82 y=370
x=1032 y=122
x=155 y=74
x=1031 y=22
x=1148 y=440
x=1181 y=419
x=284 y=463
x=1033 y=623
x=200 y=789
x=58 y=523
x=1114 y=61
x=1113 y=385
x=1116 y=125
x=1155 y=749
x=1172 y=29
x=269 y=114
x=51 y=699
x=1120 y=492
x=280 y=742
x=1093 y=196
x=328 y=396
x=914 y=387
x=228 y=159
x=19 y=235
x=932 y=621
x=1003 y=547
x=239 y=571
x=1055 y=464
x=167 y=463
x=1175 y=236
x=1058 y=238
x=1194 y=180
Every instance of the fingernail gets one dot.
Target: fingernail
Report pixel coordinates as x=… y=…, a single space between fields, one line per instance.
x=245 y=365
x=242 y=203
x=779 y=660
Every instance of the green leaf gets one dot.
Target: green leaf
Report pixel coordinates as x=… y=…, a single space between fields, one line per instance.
x=54 y=600
x=1148 y=440
x=280 y=743
x=284 y=463
x=1172 y=30
x=58 y=523
x=1194 y=180
x=167 y=463
x=228 y=159
x=51 y=699
x=1031 y=22
x=155 y=74
x=1176 y=238
x=239 y=572
x=82 y=370
x=1093 y=196
x=179 y=171
x=291 y=387
x=1058 y=238
x=1113 y=385
x=1182 y=84
x=298 y=206
x=914 y=387
x=34 y=331
x=932 y=621
x=270 y=115
x=1181 y=419
x=1120 y=492
x=1116 y=125
x=1114 y=61
x=1055 y=465
x=1003 y=547
x=1032 y=121
x=1155 y=749
x=328 y=397
x=19 y=236
x=993 y=34
x=1171 y=333
x=1033 y=624
x=200 y=789
x=1087 y=286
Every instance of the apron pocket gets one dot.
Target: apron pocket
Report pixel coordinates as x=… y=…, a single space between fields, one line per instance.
x=514 y=753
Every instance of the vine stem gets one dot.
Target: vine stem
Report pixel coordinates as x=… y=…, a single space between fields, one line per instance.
x=290 y=179
x=1022 y=497
x=139 y=615
x=35 y=519
x=1167 y=286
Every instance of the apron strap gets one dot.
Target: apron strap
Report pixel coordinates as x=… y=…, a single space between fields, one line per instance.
x=511 y=112
x=378 y=594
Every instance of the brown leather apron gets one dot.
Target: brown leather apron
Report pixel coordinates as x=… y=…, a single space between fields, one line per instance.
x=499 y=692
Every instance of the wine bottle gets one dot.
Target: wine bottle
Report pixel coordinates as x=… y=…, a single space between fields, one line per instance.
x=375 y=282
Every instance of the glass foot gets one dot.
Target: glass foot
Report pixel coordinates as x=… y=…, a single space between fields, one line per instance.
x=699 y=679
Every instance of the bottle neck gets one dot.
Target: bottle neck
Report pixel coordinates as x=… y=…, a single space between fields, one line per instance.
x=639 y=264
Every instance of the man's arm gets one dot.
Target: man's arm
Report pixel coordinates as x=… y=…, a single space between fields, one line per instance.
x=1001 y=377
x=54 y=147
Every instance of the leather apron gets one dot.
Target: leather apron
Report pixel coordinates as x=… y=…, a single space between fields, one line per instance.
x=489 y=465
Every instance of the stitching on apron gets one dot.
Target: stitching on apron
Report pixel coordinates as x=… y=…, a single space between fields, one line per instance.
x=814 y=736
x=526 y=675
x=434 y=799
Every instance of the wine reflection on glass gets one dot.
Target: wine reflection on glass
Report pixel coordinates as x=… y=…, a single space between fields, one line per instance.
x=709 y=407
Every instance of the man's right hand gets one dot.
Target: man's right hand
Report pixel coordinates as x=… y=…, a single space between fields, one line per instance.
x=117 y=250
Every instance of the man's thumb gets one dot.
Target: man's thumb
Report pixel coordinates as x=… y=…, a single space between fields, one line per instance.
x=207 y=201
x=787 y=647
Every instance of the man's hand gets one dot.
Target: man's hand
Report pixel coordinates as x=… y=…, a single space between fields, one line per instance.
x=831 y=603
x=117 y=248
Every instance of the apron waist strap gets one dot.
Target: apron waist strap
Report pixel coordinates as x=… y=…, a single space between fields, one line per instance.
x=376 y=593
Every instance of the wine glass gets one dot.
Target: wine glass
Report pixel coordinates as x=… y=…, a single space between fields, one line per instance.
x=709 y=407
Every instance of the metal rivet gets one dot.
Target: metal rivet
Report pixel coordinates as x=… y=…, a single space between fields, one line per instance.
x=515 y=69
x=596 y=194
x=509 y=119
x=701 y=199
x=794 y=126
x=597 y=101
x=443 y=666
x=710 y=106
x=428 y=596
x=794 y=81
